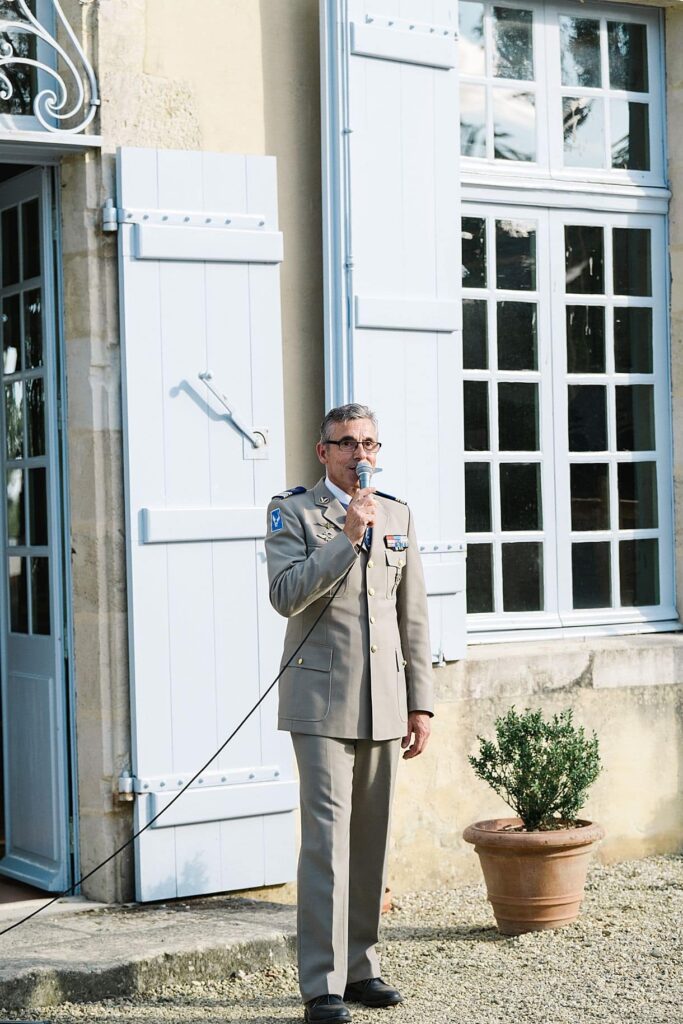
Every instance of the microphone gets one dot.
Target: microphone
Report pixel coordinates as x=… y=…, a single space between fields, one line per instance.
x=364 y=473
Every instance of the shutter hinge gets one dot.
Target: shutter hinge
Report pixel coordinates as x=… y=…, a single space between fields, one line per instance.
x=110 y=216
x=126 y=793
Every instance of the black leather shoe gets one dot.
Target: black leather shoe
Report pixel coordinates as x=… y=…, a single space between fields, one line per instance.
x=326 y=1008
x=372 y=992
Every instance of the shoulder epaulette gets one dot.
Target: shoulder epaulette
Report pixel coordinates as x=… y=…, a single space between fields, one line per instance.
x=391 y=497
x=289 y=493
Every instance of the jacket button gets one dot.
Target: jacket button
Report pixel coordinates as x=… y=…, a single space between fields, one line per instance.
x=401 y=563
x=371 y=564
x=372 y=620
x=374 y=648
x=371 y=591
x=299 y=661
x=404 y=662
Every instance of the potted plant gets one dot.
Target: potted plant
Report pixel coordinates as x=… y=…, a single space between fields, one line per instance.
x=535 y=864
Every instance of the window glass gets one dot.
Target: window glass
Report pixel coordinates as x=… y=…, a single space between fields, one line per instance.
x=585 y=259
x=514 y=125
x=591 y=575
x=520 y=496
x=522 y=577
x=479 y=578
x=587 y=417
x=472 y=45
x=518 y=417
x=585 y=339
x=639 y=571
x=516 y=255
x=475 y=334
x=477 y=497
x=473 y=252
x=627 y=44
x=512 y=43
x=580 y=51
x=590 y=496
x=476 y=401
x=517 y=336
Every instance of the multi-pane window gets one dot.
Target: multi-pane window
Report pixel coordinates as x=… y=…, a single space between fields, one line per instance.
x=565 y=335
x=563 y=88
x=565 y=407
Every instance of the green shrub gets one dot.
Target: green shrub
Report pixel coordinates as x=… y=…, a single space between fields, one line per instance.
x=542 y=770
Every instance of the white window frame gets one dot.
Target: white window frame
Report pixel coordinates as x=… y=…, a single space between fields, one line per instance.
x=549 y=90
x=576 y=195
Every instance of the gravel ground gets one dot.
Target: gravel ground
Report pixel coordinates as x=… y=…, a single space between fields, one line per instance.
x=620 y=963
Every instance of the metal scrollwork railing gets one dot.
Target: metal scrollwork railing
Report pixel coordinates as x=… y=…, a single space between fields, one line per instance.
x=56 y=107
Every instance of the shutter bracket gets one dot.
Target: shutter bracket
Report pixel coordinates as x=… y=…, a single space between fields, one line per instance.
x=126 y=792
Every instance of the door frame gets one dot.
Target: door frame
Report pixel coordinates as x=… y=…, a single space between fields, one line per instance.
x=58 y=495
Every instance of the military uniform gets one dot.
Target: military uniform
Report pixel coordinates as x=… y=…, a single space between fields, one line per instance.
x=346 y=699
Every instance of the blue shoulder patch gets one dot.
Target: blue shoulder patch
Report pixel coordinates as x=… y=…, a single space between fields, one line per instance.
x=276 y=520
x=289 y=493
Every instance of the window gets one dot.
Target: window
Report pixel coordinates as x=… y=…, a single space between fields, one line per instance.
x=565 y=334
x=575 y=92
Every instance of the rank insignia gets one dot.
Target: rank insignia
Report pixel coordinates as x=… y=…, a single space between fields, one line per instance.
x=276 y=520
x=396 y=541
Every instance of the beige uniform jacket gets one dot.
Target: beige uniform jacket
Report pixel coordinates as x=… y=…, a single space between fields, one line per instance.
x=367 y=661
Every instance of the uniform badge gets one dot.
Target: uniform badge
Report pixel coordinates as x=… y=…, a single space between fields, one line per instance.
x=396 y=541
x=276 y=520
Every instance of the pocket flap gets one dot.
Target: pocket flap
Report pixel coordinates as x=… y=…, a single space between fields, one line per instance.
x=395 y=558
x=313 y=656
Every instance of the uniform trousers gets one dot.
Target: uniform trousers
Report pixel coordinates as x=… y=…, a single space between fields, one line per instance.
x=346 y=789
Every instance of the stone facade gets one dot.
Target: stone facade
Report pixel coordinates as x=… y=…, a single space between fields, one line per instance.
x=244 y=77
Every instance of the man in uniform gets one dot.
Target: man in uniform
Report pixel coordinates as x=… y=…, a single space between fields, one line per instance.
x=359 y=688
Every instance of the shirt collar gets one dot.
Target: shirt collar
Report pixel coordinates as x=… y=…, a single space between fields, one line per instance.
x=343 y=497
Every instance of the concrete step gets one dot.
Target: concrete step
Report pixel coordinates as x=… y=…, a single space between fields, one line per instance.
x=78 y=951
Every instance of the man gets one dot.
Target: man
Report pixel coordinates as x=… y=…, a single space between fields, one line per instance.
x=359 y=688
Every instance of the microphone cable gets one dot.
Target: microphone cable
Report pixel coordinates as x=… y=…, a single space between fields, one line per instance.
x=187 y=785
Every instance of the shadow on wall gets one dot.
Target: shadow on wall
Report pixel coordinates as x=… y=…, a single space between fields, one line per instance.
x=291 y=96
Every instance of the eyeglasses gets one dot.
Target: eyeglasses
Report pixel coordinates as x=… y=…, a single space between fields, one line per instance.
x=349 y=444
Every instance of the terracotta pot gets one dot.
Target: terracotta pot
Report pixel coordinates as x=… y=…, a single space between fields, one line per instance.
x=535 y=880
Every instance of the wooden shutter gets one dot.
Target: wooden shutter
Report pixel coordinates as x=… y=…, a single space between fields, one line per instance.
x=392 y=250
x=199 y=253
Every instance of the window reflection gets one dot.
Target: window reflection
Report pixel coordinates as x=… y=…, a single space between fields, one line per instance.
x=627 y=45
x=513 y=44
x=473 y=120
x=471 y=44
x=514 y=125
x=584 y=259
x=473 y=252
x=516 y=254
x=580 y=51
x=583 y=125
x=630 y=135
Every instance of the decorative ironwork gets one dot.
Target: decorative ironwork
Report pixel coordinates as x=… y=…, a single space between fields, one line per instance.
x=54 y=107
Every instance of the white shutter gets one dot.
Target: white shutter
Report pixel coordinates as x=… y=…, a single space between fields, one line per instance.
x=199 y=250
x=392 y=249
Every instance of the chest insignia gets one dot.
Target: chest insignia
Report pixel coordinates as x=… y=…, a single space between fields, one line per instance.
x=396 y=541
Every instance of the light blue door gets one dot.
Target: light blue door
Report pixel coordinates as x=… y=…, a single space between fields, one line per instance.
x=33 y=693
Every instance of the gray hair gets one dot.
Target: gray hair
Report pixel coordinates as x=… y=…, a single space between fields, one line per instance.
x=343 y=414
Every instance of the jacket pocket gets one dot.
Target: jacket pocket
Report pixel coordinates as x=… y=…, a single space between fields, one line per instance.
x=396 y=561
x=305 y=686
x=401 y=689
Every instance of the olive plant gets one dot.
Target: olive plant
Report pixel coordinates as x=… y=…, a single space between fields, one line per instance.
x=542 y=769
